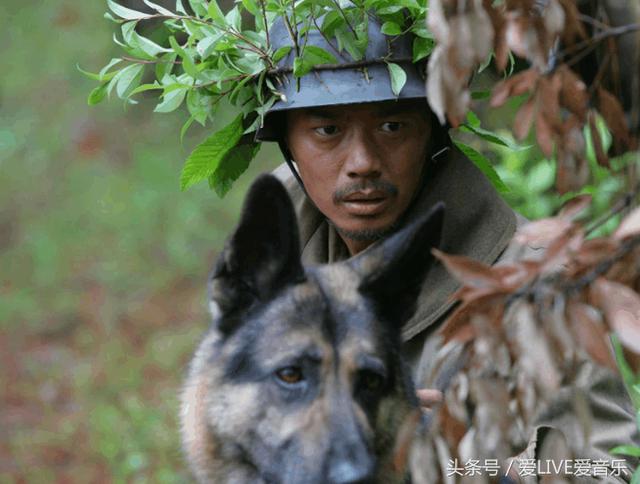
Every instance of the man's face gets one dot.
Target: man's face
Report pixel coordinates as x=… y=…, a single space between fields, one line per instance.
x=361 y=164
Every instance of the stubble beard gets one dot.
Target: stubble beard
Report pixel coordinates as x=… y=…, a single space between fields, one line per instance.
x=366 y=235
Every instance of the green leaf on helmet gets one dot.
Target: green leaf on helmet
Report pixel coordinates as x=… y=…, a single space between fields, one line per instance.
x=331 y=22
x=422 y=48
x=199 y=7
x=146 y=87
x=127 y=29
x=484 y=165
x=126 y=13
x=398 y=77
x=347 y=41
x=311 y=57
x=158 y=8
x=234 y=19
x=391 y=28
x=171 y=100
x=206 y=157
x=180 y=7
x=300 y=68
x=187 y=60
x=390 y=10
x=252 y=7
x=97 y=95
x=317 y=55
x=281 y=53
x=148 y=46
x=214 y=12
x=232 y=165
x=128 y=80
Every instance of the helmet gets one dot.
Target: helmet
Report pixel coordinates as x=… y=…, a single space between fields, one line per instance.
x=349 y=82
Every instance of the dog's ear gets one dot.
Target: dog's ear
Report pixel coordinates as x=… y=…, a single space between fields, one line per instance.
x=262 y=255
x=393 y=270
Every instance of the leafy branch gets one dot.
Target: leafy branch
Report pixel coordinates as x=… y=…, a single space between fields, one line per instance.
x=221 y=57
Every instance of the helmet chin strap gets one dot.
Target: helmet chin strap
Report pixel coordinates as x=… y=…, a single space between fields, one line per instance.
x=284 y=149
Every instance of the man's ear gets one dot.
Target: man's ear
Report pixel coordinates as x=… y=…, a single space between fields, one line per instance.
x=393 y=270
x=261 y=257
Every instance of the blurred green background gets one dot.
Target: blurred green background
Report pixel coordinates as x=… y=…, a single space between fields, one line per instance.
x=103 y=261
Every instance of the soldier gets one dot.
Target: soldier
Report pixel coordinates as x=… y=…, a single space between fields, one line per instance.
x=362 y=162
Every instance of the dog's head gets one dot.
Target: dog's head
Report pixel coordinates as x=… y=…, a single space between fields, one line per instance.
x=301 y=375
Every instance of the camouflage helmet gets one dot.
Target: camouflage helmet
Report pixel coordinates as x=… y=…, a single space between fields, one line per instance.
x=348 y=81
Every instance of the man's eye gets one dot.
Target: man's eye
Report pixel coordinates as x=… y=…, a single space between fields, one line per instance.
x=328 y=130
x=391 y=126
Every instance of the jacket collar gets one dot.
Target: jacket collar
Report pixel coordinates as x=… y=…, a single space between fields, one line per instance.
x=477 y=224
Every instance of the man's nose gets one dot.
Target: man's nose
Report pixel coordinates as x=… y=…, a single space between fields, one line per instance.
x=363 y=160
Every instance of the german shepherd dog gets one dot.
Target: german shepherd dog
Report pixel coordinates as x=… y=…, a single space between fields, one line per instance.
x=300 y=378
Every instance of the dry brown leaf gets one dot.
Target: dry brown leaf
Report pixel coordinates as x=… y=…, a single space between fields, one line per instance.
x=542 y=232
x=621 y=307
x=458 y=326
x=404 y=440
x=613 y=114
x=560 y=251
x=572 y=208
x=522 y=82
x=524 y=119
x=591 y=253
x=544 y=134
x=549 y=99
x=501 y=50
x=573 y=93
x=625 y=271
x=534 y=355
x=447 y=92
x=629 y=226
x=573 y=26
x=453 y=429
x=524 y=39
x=515 y=275
x=437 y=21
x=587 y=328
x=573 y=171
x=469 y=271
x=553 y=17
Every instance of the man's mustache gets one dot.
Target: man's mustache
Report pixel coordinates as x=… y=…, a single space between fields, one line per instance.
x=389 y=189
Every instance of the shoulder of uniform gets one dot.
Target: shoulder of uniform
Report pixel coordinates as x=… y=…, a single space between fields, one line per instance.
x=283 y=173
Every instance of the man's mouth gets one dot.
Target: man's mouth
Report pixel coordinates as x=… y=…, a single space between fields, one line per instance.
x=366 y=202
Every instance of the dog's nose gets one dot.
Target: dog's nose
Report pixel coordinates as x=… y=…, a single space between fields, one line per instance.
x=349 y=473
x=357 y=470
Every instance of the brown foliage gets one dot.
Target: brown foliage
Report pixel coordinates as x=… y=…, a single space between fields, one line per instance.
x=560 y=103
x=522 y=331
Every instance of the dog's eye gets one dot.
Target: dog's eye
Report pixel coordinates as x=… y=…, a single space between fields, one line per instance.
x=290 y=374
x=371 y=381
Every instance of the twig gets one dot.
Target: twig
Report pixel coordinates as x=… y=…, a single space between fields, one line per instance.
x=315 y=22
x=344 y=16
x=255 y=48
x=348 y=65
x=144 y=61
x=294 y=38
x=622 y=204
x=593 y=21
x=266 y=26
x=611 y=32
x=603 y=266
